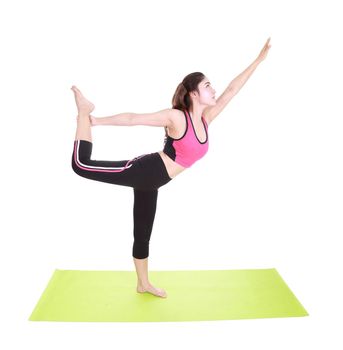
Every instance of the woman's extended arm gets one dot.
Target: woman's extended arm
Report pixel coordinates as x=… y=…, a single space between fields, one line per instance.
x=160 y=118
x=123 y=119
x=237 y=83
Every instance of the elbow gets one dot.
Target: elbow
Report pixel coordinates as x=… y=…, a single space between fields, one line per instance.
x=232 y=89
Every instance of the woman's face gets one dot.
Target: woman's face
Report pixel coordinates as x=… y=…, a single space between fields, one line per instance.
x=207 y=93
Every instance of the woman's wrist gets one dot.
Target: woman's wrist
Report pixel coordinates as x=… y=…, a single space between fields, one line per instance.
x=94 y=120
x=256 y=62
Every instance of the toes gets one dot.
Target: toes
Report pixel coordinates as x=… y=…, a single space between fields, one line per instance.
x=162 y=293
x=155 y=291
x=75 y=89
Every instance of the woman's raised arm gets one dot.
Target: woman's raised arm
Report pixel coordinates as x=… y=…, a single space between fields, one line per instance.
x=242 y=78
x=235 y=85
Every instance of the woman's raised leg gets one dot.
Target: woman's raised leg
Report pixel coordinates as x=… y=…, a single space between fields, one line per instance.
x=84 y=108
x=121 y=172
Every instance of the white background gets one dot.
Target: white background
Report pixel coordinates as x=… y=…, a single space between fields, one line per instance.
x=268 y=194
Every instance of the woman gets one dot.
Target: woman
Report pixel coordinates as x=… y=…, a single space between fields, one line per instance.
x=186 y=126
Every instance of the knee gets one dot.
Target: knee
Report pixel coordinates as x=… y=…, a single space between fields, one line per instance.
x=140 y=256
x=140 y=249
x=76 y=168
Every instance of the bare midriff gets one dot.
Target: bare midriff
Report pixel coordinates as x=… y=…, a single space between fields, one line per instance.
x=172 y=167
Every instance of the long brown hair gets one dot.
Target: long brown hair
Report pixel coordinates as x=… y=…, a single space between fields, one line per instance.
x=181 y=99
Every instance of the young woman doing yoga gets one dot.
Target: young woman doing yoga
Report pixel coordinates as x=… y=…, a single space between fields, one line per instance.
x=194 y=107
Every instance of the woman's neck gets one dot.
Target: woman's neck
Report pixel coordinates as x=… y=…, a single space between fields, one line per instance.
x=196 y=113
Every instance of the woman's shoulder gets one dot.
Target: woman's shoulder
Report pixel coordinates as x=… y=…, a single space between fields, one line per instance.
x=177 y=113
x=176 y=116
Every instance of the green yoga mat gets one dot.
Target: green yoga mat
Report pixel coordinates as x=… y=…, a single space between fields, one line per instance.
x=198 y=295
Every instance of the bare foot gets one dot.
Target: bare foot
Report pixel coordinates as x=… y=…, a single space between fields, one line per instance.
x=151 y=289
x=83 y=105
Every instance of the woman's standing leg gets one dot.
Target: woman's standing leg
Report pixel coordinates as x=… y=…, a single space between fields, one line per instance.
x=144 y=210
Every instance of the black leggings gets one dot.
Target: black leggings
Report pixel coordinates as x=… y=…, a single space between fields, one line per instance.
x=145 y=174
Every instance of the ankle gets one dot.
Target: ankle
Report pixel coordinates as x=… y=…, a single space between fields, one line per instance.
x=145 y=283
x=83 y=115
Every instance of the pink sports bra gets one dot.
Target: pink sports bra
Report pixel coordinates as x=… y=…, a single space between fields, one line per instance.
x=187 y=149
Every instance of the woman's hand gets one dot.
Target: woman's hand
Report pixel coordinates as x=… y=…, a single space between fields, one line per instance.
x=92 y=120
x=264 y=51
